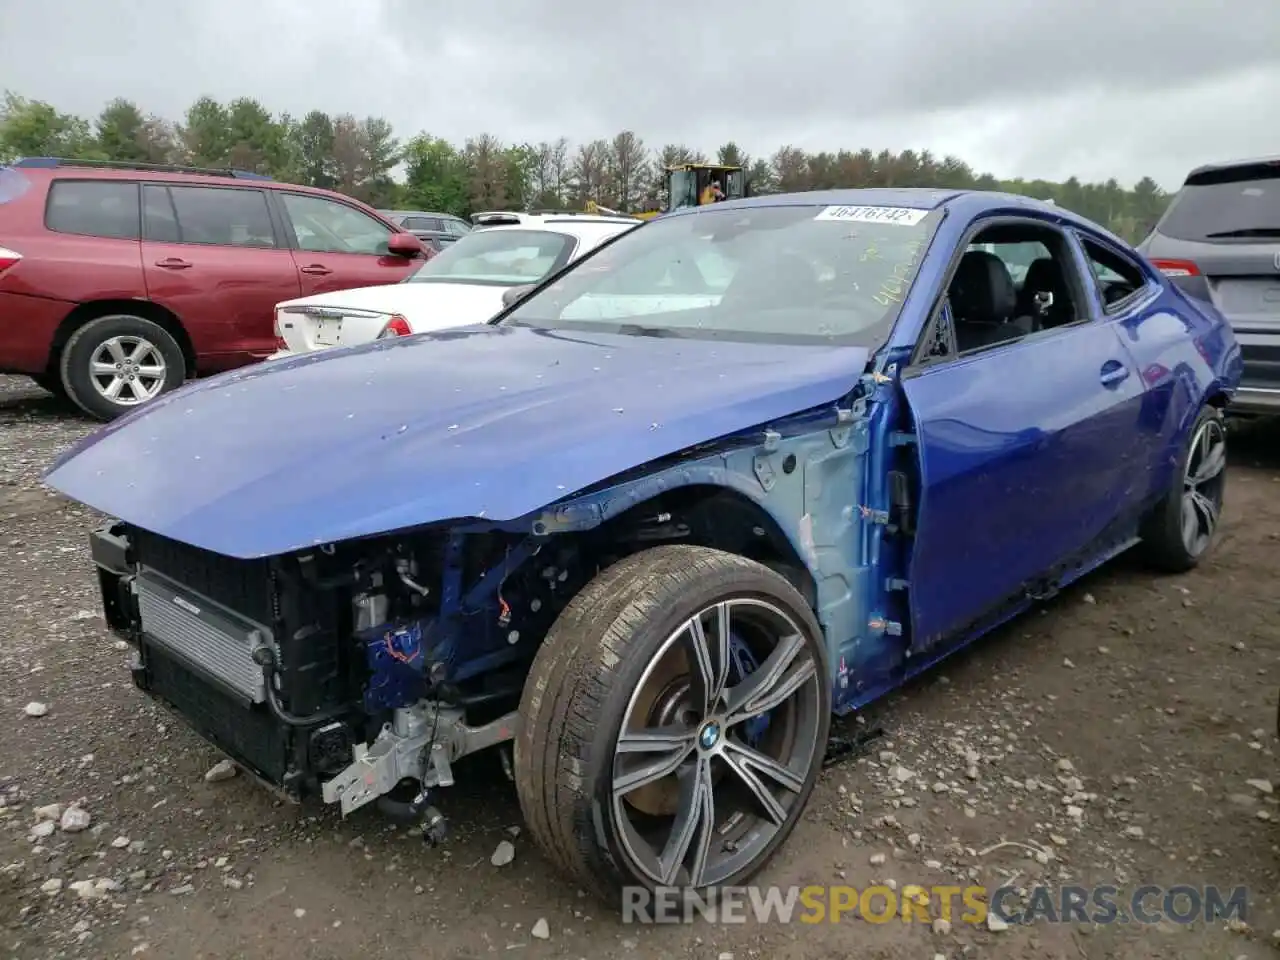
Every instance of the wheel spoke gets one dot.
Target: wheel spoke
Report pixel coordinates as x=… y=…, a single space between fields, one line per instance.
x=1212 y=464
x=671 y=745
x=113 y=389
x=101 y=369
x=746 y=763
x=151 y=372
x=708 y=659
x=116 y=349
x=781 y=675
x=689 y=844
x=1206 y=513
x=1190 y=524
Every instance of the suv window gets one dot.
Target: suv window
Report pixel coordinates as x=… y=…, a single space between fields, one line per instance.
x=1239 y=208
x=423 y=223
x=327 y=226
x=223 y=216
x=94 y=208
x=457 y=228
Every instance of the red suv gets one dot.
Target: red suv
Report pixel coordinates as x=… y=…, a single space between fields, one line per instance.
x=120 y=281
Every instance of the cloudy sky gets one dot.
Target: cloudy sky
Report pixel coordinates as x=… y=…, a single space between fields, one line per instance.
x=1016 y=87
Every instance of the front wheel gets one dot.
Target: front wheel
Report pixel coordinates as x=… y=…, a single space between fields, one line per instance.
x=1181 y=528
x=674 y=722
x=114 y=364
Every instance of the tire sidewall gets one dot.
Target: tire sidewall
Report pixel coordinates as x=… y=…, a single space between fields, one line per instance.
x=760 y=583
x=78 y=353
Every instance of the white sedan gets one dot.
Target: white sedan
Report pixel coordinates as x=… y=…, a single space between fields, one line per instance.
x=461 y=285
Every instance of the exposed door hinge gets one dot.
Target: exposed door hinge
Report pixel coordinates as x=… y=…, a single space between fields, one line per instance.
x=901 y=439
x=894 y=583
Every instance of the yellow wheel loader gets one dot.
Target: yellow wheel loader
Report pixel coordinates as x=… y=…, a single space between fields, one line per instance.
x=686 y=183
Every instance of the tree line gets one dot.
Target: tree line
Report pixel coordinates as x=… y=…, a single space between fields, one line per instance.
x=364 y=158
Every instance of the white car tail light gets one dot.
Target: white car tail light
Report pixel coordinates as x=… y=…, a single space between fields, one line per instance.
x=281 y=343
x=397 y=326
x=1176 y=268
x=8 y=258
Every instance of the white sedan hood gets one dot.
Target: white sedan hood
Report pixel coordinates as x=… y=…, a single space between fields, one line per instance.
x=348 y=317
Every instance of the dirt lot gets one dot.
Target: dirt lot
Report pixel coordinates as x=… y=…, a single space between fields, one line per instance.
x=1159 y=696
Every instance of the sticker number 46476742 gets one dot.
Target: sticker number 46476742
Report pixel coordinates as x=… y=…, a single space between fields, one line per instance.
x=900 y=216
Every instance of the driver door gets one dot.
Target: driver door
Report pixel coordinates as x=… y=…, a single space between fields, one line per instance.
x=1026 y=451
x=337 y=247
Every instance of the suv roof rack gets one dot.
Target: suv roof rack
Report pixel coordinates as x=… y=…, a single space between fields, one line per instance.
x=50 y=163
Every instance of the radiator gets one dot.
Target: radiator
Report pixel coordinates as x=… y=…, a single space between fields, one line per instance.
x=197 y=631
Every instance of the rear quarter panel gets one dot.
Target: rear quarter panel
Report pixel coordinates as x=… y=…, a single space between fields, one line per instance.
x=57 y=272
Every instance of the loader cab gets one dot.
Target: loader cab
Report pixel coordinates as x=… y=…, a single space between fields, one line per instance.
x=686 y=182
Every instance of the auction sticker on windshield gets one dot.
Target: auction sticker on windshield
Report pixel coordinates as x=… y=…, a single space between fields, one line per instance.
x=901 y=216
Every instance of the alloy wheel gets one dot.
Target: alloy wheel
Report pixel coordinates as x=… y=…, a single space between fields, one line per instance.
x=1203 y=483
x=127 y=370
x=716 y=744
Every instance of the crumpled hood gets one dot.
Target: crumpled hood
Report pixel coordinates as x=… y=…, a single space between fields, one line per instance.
x=485 y=421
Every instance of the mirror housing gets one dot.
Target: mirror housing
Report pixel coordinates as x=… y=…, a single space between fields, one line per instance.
x=404 y=245
x=512 y=294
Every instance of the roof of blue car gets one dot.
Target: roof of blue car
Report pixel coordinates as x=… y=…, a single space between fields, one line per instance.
x=926 y=198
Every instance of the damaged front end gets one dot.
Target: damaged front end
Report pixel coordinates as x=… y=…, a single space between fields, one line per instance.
x=337 y=672
x=361 y=672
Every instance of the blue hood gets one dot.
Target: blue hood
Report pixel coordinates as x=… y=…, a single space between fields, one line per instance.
x=490 y=422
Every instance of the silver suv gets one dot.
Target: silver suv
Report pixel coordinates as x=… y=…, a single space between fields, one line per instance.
x=1220 y=241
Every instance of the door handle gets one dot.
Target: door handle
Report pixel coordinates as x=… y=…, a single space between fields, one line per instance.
x=173 y=263
x=316 y=270
x=1113 y=373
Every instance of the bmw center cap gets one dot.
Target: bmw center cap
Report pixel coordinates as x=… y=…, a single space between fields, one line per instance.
x=709 y=736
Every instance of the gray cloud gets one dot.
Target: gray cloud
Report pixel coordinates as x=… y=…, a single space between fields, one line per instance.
x=1048 y=89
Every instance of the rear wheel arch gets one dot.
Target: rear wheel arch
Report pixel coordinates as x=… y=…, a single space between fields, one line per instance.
x=146 y=309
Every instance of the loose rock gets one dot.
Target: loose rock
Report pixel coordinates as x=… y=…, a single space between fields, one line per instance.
x=541 y=929
x=503 y=854
x=75 y=819
x=222 y=770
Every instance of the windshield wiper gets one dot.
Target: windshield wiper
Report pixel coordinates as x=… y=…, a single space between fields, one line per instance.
x=1245 y=232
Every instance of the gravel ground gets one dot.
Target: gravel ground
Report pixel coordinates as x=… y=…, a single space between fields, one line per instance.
x=1123 y=735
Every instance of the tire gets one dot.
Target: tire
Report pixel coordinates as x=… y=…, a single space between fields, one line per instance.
x=141 y=341
x=1166 y=544
x=606 y=650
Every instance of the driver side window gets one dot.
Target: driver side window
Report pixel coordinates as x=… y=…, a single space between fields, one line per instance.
x=327 y=226
x=1014 y=279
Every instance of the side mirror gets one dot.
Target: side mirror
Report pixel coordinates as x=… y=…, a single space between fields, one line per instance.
x=512 y=294
x=404 y=245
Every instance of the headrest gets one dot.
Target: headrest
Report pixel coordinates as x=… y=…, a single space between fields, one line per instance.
x=982 y=288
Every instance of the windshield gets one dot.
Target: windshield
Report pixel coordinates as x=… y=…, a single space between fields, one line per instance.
x=1228 y=210
x=498 y=257
x=783 y=274
x=684 y=189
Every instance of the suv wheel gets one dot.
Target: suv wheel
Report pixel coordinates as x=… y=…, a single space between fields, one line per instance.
x=114 y=364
